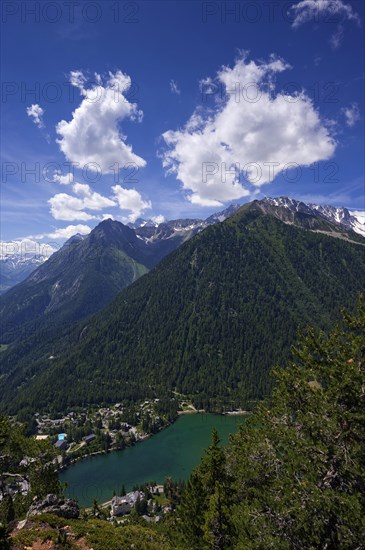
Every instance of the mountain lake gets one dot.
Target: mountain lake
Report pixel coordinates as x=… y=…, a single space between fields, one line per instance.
x=173 y=452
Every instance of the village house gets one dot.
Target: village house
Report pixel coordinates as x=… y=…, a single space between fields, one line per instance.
x=156 y=489
x=61 y=445
x=123 y=505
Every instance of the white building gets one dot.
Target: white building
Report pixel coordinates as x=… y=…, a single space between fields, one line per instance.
x=123 y=505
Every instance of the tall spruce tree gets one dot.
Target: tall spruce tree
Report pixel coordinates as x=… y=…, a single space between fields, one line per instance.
x=204 y=504
x=217 y=528
x=299 y=466
x=293 y=477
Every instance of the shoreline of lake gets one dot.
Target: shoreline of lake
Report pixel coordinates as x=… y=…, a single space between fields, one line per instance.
x=173 y=451
x=102 y=452
x=74 y=461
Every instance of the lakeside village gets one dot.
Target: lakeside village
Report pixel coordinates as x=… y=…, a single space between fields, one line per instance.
x=78 y=434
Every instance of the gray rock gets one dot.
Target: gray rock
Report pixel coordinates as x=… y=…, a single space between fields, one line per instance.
x=51 y=504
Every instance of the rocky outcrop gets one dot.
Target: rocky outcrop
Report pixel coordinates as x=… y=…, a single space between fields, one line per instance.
x=64 y=508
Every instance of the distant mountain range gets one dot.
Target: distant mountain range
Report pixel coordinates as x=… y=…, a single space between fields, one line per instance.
x=88 y=272
x=335 y=215
x=209 y=320
x=80 y=278
x=14 y=268
x=179 y=224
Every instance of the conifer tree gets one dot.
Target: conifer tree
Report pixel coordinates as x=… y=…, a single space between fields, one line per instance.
x=204 y=500
x=299 y=465
x=216 y=530
x=191 y=510
x=293 y=477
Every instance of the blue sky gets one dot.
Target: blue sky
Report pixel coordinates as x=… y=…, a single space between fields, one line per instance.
x=210 y=106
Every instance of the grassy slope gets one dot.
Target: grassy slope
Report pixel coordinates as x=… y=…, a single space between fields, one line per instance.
x=91 y=534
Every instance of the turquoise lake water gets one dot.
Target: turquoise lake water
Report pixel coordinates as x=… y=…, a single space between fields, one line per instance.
x=173 y=452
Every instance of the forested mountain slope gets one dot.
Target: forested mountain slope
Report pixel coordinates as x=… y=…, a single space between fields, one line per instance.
x=83 y=276
x=88 y=272
x=210 y=320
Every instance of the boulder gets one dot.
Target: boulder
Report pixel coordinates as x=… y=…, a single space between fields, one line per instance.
x=51 y=504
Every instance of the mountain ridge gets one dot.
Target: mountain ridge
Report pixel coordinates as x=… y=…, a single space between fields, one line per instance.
x=89 y=271
x=341 y=216
x=15 y=268
x=208 y=321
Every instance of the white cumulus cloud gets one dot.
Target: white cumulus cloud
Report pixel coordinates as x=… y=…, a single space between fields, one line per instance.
x=131 y=201
x=63 y=179
x=69 y=231
x=60 y=233
x=248 y=138
x=93 y=135
x=308 y=10
x=68 y=207
x=78 y=80
x=326 y=11
x=35 y=112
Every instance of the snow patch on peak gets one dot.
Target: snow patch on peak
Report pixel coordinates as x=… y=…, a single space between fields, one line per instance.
x=332 y=213
x=342 y=216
